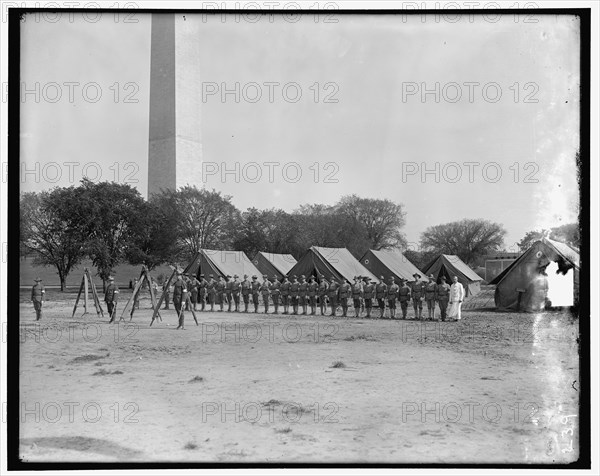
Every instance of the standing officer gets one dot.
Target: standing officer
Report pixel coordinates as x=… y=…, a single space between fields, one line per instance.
x=285 y=294
x=202 y=291
x=417 y=291
x=323 y=289
x=294 y=290
x=368 y=293
x=357 y=294
x=235 y=292
x=228 y=291
x=179 y=296
x=404 y=296
x=165 y=288
x=303 y=294
x=430 y=291
x=334 y=286
x=275 y=293
x=211 y=289
x=255 y=286
x=110 y=298
x=265 y=290
x=194 y=291
x=220 y=288
x=442 y=295
x=246 y=287
x=380 y=295
x=313 y=287
x=37 y=297
x=344 y=293
x=391 y=296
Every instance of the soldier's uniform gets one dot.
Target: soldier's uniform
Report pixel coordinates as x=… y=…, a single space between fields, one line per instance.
x=236 y=287
x=442 y=296
x=228 y=292
x=194 y=291
x=188 y=285
x=368 y=294
x=417 y=292
x=265 y=290
x=37 y=297
x=303 y=293
x=275 y=293
x=165 y=288
x=202 y=291
x=110 y=298
x=404 y=297
x=246 y=288
x=344 y=293
x=323 y=289
x=430 y=288
x=313 y=287
x=255 y=287
x=220 y=288
x=334 y=286
x=381 y=295
x=179 y=296
x=357 y=294
x=294 y=293
x=211 y=289
x=391 y=296
x=285 y=294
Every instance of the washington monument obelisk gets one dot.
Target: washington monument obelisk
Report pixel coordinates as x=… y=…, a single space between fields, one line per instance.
x=175 y=140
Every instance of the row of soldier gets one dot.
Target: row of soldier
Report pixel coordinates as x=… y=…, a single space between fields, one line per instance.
x=301 y=294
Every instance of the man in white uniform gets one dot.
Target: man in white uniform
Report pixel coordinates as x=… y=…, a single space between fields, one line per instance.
x=457 y=294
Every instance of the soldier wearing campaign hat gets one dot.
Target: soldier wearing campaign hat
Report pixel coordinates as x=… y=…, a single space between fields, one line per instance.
x=344 y=292
x=211 y=289
x=265 y=291
x=110 y=298
x=229 y=291
x=357 y=295
x=294 y=293
x=255 y=288
x=417 y=292
x=275 y=293
x=442 y=296
x=202 y=291
x=404 y=297
x=334 y=287
x=194 y=286
x=380 y=295
x=220 y=288
x=285 y=294
x=430 y=291
x=312 y=291
x=38 y=292
x=179 y=297
x=392 y=295
x=323 y=290
x=303 y=294
x=368 y=294
x=246 y=289
x=235 y=291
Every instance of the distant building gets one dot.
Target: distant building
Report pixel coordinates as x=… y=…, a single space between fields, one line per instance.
x=498 y=262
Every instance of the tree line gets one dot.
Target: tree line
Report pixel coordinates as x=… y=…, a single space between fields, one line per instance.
x=111 y=224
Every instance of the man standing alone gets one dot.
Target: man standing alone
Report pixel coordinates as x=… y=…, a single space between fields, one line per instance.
x=37 y=297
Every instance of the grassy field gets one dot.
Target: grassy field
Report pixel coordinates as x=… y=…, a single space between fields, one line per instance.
x=494 y=387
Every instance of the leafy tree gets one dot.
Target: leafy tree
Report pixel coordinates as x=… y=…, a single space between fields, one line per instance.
x=469 y=239
x=568 y=233
x=47 y=229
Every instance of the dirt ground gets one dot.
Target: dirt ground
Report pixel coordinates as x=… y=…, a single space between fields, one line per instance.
x=492 y=388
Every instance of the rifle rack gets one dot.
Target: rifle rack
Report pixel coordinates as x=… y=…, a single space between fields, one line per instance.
x=87 y=282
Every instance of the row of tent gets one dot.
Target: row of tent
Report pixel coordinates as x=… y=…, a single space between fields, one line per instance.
x=523 y=286
x=332 y=262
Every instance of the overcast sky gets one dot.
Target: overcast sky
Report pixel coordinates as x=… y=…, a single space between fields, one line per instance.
x=376 y=130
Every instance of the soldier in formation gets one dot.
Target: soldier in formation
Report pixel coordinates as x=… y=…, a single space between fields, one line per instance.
x=391 y=296
x=430 y=291
x=265 y=291
x=442 y=296
x=110 y=298
x=275 y=293
x=381 y=295
x=38 y=293
x=211 y=289
x=255 y=287
x=246 y=288
x=285 y=294
x=179 y=297
x=357 y=295
x=344 y=292
x=404 y=297
x=333 y=295
x=368 y=294
x=294 y=294
x=229 y=292
x=303 y=294
x=202 y=291
x=220 y=291
x=194 y=286
x=236 y=288
x=417 y=292
x=313 y=289
x=323 y=290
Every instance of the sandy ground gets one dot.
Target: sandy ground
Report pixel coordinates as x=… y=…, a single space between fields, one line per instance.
x=494 y=387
